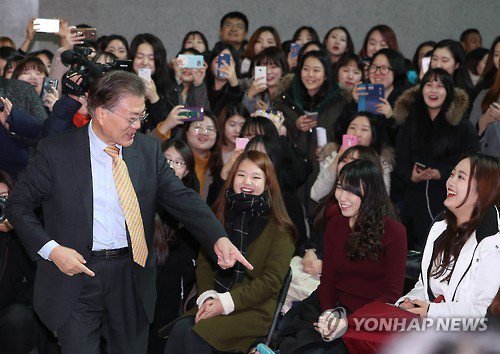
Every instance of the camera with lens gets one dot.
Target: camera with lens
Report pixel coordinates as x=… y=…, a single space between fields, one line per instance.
x=83 y=72
x=2 y=208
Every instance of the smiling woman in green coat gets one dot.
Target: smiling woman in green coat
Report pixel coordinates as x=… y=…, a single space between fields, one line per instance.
x=236 y=306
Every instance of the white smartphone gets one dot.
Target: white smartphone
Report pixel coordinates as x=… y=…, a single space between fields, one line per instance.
x=260 y=74
x=46 y=25
x=426 y=62
x=145 y=73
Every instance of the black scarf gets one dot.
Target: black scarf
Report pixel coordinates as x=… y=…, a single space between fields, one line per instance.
x=246 y=216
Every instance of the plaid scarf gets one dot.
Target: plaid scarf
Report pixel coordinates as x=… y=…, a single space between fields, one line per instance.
x=246 y=216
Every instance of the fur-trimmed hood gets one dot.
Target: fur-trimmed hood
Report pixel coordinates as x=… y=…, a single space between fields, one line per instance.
x=454 y=114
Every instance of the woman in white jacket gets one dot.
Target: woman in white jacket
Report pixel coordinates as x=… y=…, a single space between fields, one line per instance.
x=461 y=258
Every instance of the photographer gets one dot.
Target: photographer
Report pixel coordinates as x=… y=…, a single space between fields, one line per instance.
x=18 y=327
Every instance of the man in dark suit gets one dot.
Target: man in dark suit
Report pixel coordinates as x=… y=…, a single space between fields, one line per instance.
x=91 y=279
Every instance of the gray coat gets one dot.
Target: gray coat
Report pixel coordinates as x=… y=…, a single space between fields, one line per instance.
x=490 y=141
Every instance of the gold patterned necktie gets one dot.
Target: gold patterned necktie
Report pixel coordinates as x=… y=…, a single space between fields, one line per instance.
x=130 y=206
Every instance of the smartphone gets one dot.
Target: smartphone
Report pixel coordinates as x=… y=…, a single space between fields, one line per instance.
x=294 y=50
x=241 y=143
x=420 y=166
x=145 y=73
x=90 y=34
x=349 y=140
x=223 y=58
x=49 y=86
x=260 y=74
x=192 y=114
x=125 y=65
x=191 y=61
x=46 y=25
x=426 y=62
x=369 y=102
x=312 y=115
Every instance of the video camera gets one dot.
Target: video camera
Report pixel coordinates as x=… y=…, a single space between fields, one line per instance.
x=83 y=72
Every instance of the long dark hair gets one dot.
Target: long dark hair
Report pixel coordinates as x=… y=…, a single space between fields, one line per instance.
x=350 y=44
x=250 y=51
x=312 y=32
x=440 y=142
x=460 y=75
x=490 y=69
x=485 y=170
x=230 y=110
x=160 y=76
x=346 y=59
x=260 y=126
x=387 y=33
x=105 y=42
x=363 y=178
x=379 y=136
x=278 y=210
x=165 y=224
x=192 y=34
x=325 y=62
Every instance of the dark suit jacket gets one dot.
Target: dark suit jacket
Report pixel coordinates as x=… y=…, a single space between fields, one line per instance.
x=60 y=180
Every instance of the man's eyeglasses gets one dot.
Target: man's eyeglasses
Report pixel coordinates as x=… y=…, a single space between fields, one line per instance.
x=133 y=120
x=384 y=70
x=176 y=165
x=238 y=25
x=204 y=130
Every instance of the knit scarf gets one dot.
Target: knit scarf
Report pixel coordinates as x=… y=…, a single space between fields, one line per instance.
x=246 y=216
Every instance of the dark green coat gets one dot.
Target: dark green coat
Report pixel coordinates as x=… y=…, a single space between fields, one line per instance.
x=255 y=299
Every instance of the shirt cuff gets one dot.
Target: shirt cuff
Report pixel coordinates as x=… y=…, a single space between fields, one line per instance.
x=47 y=248
x=209 y=294
x=227 y=302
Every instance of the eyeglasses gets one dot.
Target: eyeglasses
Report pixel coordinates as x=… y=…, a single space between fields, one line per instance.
x=132 y=121
x=384 y=70
x=204 y=130
x=238 y=25
x=176 y=165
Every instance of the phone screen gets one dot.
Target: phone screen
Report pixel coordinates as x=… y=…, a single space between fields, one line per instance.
x=46 y=25
x=223 y=58
x=145 y=73
x=349 y=140
x=241 y=143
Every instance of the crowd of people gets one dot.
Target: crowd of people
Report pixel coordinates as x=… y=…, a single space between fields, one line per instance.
x=293 y=167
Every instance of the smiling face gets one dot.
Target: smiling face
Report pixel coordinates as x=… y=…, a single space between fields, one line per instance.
x=34 y=77
x=232 y=128
x=313 y=75
x=233 y=31
x=456 y=190
x=336 y=43
x=249 y=178
x=144 y=58
x=114 y=128
x=195 y=41
x=201 y=136
x=265 y=40
x=117 y=48
x=348 y=75
x=434 y=94
x=443 y=58
x=360 y=126
x=375 y=43
x=377 y=77
x=349 y=203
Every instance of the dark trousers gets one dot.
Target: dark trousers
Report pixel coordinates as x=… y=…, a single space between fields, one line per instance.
x=107 y=306
x=17 y=329
x=184 y=340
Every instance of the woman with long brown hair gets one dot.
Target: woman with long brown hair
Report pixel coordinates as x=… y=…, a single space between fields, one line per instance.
x=462 y=255
x=236 y=307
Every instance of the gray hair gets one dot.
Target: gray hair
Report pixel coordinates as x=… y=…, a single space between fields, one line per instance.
x=111 y=87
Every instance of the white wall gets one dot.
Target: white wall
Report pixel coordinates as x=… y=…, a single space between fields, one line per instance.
x=413 y=21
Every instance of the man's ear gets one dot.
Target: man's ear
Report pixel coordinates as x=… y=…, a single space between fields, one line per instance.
x=99 y=113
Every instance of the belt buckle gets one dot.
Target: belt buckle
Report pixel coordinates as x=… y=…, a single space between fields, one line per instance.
x=108 y=253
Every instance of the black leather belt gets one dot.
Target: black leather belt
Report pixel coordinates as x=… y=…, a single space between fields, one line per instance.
x=110 y=253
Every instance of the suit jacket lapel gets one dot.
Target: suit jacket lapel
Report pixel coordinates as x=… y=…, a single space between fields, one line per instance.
x=83 y=173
